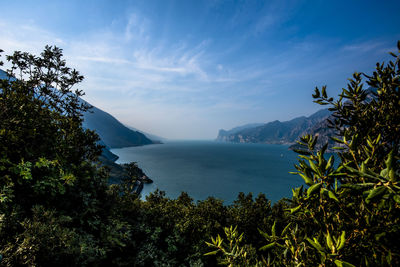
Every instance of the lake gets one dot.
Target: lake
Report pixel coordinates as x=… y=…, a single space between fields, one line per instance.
x=209 y=168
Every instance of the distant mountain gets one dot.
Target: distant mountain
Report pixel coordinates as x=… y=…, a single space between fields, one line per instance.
x=106 y=153
x=3 y=74
x=276 y=132
x=112 y=132
x=152 y=137
x=223 y=135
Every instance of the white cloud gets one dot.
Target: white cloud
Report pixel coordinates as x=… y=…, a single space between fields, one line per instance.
x=136 y=28
x=104 y=60
x=24 y=37
x=363 y=46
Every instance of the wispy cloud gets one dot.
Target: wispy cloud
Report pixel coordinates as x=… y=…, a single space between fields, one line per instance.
x=136 y=28
x=235 y=66
x=25 y=37
x=363 y=46
x=104 y=60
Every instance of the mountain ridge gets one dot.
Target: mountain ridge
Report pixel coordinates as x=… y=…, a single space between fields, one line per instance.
x=111 y=131
x=275 y=132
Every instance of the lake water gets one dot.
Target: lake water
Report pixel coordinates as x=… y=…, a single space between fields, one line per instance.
x=222 y=170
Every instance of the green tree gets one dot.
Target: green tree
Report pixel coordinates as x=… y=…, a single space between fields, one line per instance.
x=349 y=213
x=51 y=188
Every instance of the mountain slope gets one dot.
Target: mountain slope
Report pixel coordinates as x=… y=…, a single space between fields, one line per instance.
x=3 y=74
x=276 y=132
x=152 y=137
x=112 y=132
x=223 y=135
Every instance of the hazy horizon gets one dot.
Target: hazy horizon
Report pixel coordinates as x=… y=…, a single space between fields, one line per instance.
x=185 y=69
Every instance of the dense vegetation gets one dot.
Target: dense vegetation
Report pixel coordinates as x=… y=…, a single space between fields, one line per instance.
x=58 y=209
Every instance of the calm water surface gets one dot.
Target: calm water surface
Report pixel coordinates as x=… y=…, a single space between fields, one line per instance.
x=222 y=170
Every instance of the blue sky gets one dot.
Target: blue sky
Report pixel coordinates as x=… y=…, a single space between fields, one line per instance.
x=185 y=69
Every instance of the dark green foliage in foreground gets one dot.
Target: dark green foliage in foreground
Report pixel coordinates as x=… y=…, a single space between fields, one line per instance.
x=57 y=208
x=347 y=215
x=50 y=189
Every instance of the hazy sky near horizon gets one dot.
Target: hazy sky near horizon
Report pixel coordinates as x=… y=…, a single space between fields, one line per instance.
x=185 y=69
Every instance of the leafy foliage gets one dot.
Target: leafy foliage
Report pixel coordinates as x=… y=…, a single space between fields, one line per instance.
x=51 y=190
x=349 y=213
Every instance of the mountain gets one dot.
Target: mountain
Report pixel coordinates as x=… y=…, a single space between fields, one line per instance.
x=112 y=132
x=223 y=135
x=152 y=137
x=3 y=74
x=275 y=132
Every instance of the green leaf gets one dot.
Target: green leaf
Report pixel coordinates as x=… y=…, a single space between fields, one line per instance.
x=378 y=138
x=301 y=151
x=323 y=91
x=343 y=264
x=313 y=141
x=286 y=228
x=330 y=162
x=307 y=180
x=317 y=93
x=304 y=157
x=340 y=141
x=338 y=148
x=211 y=253
x=266 y=236
x=361 y=173
x=68 y=178
x=332 y=196
x=273 y=229
x=379 y=236
x=271 y=245
x=315 y=244
x=374 y=193
x=314 y=188
x=397 y=198
x=385 y=173
x=314 y=167
x=209 y=244
x=295 y=209
x=342 y=241
x=329 y=241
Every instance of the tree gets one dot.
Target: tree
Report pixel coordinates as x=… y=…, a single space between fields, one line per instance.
x=350 y=212
x=51 y=189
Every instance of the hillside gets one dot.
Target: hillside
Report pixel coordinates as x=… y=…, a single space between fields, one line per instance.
x=112 y=132
x=277 y=132
x=3 y=74
x=223 y=135
x=155 y=138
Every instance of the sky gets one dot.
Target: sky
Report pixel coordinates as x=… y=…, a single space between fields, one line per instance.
x=185 y=69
